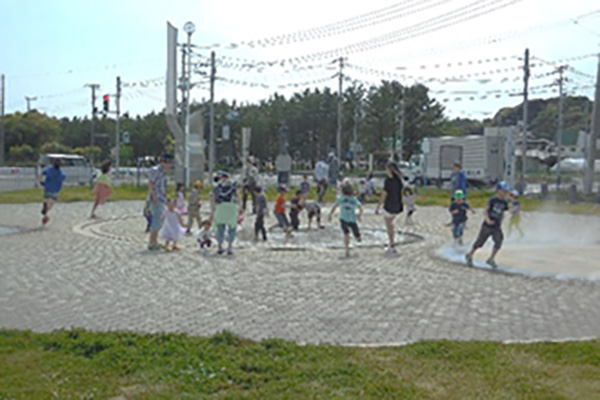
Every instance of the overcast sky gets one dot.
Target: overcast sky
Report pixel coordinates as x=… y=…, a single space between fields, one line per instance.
x=51 y=49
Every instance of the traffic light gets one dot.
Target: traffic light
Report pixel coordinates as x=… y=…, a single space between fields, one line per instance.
x=106 y=100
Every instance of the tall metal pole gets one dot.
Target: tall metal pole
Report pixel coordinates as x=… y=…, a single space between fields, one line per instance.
x=559 y=133
x=188 y=87
x=2 y=120
x=593 y=138
x=402 y=117
x=93 y=86
x=526 y=73
x=118 y=125
x=355 y=128
x=340 y=110
x=211 y=146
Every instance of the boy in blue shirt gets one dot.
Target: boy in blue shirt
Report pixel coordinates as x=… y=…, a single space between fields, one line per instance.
x=348 y=218
x=54 y=178
x=458 y=209
x=492 y=225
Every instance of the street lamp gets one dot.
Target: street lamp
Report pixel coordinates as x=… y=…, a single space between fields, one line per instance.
x=188 y=28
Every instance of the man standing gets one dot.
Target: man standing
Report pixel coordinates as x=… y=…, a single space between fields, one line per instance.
x=321 y=177
x=157 y=196
x=458 y=179
x=54 y=178
x=334 y=169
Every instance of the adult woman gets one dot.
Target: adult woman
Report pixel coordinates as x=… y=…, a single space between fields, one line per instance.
x=225 y=208
x=391 y=200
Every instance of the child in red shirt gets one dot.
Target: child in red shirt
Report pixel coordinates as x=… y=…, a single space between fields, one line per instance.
x=279 y=212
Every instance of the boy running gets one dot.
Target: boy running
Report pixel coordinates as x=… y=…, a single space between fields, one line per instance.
x=54 y=178
x=492 y=225
x=279 y=212
x=261 y=212
x=348 y=218
x=458 y=209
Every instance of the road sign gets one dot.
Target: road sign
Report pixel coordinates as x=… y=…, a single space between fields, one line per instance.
x=226 y=132
x=126 y=137
x=426 y=146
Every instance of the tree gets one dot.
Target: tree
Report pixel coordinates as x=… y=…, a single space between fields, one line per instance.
x=55 y=147
x=22 y=154
x=31 y=128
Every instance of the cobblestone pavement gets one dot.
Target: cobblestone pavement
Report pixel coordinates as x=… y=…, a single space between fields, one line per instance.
x=99 y=276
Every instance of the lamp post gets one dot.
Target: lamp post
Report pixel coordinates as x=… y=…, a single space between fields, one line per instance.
x=189 y=28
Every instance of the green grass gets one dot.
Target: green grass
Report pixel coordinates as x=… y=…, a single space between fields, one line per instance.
x=427 y=196
x=77 y=364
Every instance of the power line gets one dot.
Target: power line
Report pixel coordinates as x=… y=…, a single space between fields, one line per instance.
x=387 y=14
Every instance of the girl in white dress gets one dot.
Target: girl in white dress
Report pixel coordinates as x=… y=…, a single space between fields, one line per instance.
x=172 y=225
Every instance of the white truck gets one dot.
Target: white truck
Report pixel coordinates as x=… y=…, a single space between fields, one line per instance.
x=482 y=158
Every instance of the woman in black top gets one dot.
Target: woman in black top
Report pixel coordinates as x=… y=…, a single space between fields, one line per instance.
x=391 y=199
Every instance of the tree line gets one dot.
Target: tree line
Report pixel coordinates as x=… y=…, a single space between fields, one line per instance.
x=310 y=118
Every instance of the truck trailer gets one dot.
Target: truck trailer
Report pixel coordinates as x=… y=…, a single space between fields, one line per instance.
x=481 y=157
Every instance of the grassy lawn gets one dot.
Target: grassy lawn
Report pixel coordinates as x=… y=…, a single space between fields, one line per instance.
x=83 y=365
x=427 y=196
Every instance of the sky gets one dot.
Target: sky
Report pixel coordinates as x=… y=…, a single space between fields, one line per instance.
x=51 y=49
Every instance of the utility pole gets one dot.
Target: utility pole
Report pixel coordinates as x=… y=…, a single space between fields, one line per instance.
x=526 y=74
x=211 y=145
x=29 y=99
x=340 y=110
x=93 y=86
x=118 y=124
x=2 y=120
x=402 y=115
x=559 y=133
x=593 y=138
x=355 y=128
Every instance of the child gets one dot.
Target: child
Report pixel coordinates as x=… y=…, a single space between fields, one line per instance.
x=348 y=218
x=409 y=204
x=261 y=212
x=204 y=239
x=304 y=185
x=362 y=191
x=458 y=209
x=194 y=207
x=172 y=225
x=313 y=210
x=103 y=187
x=146 y=212
x=370 y=184
x=180 y=193
x=515 y=213
x=279 y=212
x=54 y=178
x=492 y=225
x=295 y=208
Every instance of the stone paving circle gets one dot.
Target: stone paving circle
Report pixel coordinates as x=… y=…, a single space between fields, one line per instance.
x=98 y=275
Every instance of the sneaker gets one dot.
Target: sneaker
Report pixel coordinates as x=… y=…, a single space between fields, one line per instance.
x=45 y=219
x=230 y=251
x=492 y=263
x=390 y=250
x=176 y=248
x=469 y=259
x=221 y=252
x=359 y=239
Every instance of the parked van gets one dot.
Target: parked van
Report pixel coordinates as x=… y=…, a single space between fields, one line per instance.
x=76 y=168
